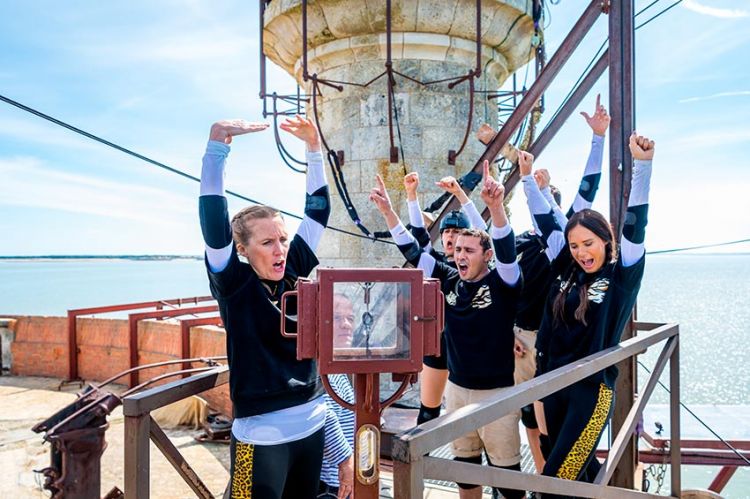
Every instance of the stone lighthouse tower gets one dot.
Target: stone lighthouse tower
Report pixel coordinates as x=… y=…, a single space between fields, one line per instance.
x=431 y=40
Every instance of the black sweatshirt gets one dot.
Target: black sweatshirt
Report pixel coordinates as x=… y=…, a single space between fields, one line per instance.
x=265 y=374
x=479 y=318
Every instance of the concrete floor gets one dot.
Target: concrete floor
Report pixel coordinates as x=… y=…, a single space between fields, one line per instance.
x=24 y=401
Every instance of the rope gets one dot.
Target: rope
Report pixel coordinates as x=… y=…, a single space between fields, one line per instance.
x=398 y=130
x=280 y=145
x=335 y=164
x=658 y=14
x=705 y=425
x=157 y=163
x=674 y=250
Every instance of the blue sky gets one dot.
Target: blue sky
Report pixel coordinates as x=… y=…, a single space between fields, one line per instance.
x=153 y=76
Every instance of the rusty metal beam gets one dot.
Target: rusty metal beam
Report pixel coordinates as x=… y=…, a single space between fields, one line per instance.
x=261 y=15
x=137 y=457
x=549 y=132
x=700 y=443
x=185 y=327
x=75 y=313
x=556 y=63
x=133 y=320
x=570 y=105
x=628 y=428
x=722 y=479
x=674 y=421
x=621 y=108
x=408 y=478
x=162 y=442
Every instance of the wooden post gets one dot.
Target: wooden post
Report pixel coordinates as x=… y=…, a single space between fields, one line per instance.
x=674 y=420
x=621 y=104
x=137 y=479
x=408 y=478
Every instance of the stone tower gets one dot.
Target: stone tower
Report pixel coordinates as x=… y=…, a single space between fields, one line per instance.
x=431 y=40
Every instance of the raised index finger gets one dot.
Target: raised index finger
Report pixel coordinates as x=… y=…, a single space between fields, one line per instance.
x=485 y=170
x=380 y=182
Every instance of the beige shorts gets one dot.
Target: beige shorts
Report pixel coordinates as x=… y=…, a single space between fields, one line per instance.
x=526 y=365
x=500 y=439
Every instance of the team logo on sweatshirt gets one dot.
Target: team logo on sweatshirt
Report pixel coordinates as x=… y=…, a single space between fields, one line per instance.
x=482 y=299
x=451 y=298
x=598 y=289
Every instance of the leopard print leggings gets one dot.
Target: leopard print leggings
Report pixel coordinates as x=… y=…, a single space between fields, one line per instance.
x=576 y=418
x=284 y=471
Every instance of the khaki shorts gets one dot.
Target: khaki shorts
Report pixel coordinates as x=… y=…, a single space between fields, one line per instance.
x=500 y=439
x=526 y=365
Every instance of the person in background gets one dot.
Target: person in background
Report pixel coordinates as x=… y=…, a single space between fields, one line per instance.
x=337 y=456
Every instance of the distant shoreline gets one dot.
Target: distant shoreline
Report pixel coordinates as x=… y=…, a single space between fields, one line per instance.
x=166 y=258
x=137 y=258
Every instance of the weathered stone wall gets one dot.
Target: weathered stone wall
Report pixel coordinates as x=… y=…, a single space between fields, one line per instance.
x=431 y=40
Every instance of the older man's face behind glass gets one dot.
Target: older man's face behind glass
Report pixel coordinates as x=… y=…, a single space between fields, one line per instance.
x=343 y=322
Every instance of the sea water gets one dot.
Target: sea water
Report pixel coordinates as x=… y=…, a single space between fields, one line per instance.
x=708 y=295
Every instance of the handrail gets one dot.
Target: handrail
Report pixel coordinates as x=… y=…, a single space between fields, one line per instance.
x=422 y=439
x=140 y=428
x=410 y=449
x=149 y=400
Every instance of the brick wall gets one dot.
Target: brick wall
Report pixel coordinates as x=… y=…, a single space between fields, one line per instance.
x=40 y=348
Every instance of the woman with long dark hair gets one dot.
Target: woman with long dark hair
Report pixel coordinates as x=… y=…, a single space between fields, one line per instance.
x=587 y=308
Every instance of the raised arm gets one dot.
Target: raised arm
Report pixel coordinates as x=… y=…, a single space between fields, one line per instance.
x=317 y=198
x=212 y=204
x=503 y=240
x=451 y=185
x=634 y=230
x=418 y=230
x=592 y=173
x=401 y=236
x=542 y=179
x=541 y=211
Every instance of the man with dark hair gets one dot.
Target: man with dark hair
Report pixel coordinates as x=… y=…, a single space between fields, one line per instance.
x=435 y=368
x=480 y=306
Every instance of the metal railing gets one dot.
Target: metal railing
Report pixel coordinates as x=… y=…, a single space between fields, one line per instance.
x=412 y=463
x=174 y=309
x=140 y=427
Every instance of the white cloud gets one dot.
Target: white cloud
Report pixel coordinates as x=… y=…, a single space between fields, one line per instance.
x=27 y=181
x=714 y=11
x=710 y=138
x=716 y=96
x=36 y=131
